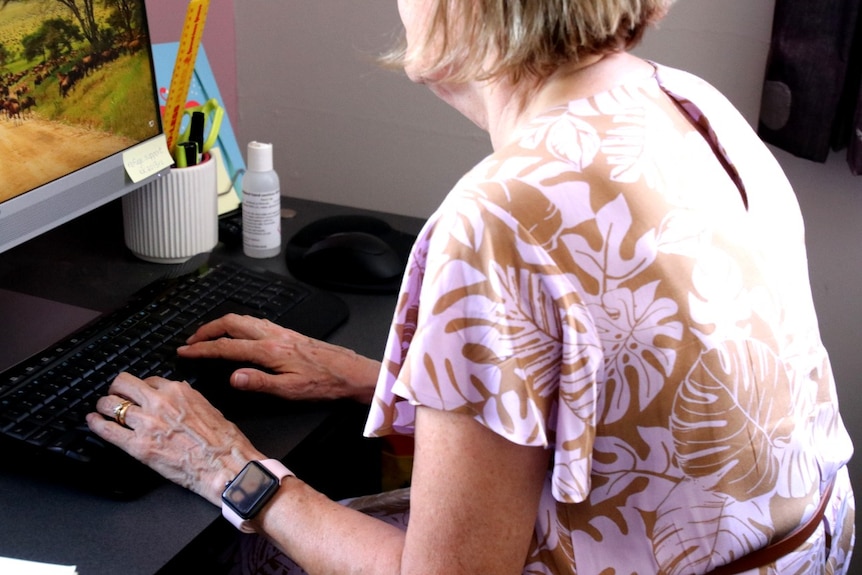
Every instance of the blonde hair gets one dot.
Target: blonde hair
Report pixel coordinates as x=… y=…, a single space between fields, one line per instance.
x=487 y=39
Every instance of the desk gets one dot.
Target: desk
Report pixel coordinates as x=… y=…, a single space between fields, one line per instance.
x=85 y=263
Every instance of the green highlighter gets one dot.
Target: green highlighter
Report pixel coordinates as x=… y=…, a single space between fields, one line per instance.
x=188 y=154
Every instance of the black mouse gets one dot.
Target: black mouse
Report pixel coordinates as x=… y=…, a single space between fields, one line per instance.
x=349 y=253
x=353 y=257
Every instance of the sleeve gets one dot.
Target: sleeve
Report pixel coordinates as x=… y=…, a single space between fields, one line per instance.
x=488 y=326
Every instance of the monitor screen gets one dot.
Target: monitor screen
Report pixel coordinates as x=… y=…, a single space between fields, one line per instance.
x=77 y=93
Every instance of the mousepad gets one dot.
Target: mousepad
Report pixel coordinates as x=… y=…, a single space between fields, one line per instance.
x=33 y=323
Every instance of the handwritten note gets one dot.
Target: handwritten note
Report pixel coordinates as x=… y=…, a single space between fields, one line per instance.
x=147 y=159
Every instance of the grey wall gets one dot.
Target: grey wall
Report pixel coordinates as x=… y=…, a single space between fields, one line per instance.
x=348 y=132
x=344 y=130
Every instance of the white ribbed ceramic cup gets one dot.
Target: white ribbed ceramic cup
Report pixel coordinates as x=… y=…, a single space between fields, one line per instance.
x=174 y=217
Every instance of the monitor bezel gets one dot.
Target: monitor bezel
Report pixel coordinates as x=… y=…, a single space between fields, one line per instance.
x=33 y=213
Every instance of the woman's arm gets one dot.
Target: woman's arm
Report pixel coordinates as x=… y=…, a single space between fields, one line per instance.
x=474 y=494
x=474 y=499
x=299 y=367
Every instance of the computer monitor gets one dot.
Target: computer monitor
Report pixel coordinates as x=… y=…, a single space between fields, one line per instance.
x=77 y=95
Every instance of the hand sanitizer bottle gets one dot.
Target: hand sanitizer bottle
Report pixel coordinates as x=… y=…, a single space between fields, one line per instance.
x=261 y=204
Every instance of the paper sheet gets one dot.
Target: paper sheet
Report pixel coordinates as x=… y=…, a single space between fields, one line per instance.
x=9 y=566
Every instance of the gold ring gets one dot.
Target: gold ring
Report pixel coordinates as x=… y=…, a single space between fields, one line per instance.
x=120 y=412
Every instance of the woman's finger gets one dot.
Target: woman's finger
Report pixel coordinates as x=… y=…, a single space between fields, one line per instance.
x=128 y=386
x=230 y=325
x=114 y=407
x=224 y=348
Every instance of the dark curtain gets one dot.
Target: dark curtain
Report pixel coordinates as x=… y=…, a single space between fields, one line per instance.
x=812 y=95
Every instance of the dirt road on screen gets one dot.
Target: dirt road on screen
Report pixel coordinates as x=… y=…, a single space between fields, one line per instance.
x=34 y=151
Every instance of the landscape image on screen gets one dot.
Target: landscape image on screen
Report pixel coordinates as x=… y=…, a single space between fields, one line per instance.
x=75 y=87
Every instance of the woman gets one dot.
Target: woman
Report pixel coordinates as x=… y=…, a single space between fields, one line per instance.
x=605 y=344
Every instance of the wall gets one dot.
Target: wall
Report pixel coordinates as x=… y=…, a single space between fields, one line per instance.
x=166 y=19
x=348 y=132
x=344 y=130
x=725 y=43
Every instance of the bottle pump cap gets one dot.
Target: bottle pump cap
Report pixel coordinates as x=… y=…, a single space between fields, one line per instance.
x=259 y=157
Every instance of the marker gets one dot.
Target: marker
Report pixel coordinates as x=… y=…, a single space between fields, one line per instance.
x=188 y=154
x=196 y=132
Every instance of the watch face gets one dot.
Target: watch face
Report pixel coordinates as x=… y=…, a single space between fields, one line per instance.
x=250 y=490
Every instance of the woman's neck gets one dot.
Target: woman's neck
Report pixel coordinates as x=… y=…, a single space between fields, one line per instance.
x=509 y=107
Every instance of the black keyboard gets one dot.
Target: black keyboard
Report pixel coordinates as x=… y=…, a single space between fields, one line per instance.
x=43 y=401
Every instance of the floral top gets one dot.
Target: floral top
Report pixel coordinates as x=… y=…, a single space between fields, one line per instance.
x=627 y=286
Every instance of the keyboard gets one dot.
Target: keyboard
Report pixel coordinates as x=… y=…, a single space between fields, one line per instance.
x=43 y=400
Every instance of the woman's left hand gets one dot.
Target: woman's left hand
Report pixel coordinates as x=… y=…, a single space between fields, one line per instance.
x=172 y=428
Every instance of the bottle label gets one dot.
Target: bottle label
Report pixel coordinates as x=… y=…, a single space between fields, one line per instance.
x=261 y=219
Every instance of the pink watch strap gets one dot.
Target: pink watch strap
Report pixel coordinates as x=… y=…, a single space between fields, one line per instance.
x=275 y=467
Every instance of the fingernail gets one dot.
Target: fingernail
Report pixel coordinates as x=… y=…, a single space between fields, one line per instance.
x=240 y=380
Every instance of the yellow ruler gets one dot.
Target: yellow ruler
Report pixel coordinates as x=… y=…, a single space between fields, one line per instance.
x=184 y=67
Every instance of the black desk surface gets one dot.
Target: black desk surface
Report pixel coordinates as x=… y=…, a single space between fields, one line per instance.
x=85 y=263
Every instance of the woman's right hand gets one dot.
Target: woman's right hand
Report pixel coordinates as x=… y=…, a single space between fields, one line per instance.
x=302 y=367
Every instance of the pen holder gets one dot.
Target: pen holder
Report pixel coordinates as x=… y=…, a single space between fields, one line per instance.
x=174 y=217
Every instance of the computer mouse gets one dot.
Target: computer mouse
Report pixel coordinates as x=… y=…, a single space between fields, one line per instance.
x=354 y=253
x=353 y=257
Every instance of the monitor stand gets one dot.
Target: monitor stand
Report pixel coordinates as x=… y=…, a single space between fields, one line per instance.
x=30 y=324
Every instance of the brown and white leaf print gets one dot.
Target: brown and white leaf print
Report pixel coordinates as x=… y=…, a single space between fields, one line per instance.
x=635 y=321
x=685 y=546
x=731 y=417
x=624 y=146
x=618 y=464
x=517 y=349
x=632 y=153
x=609 y=253
x=567 y=137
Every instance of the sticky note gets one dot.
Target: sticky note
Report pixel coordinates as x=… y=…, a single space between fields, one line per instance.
x=147 y=158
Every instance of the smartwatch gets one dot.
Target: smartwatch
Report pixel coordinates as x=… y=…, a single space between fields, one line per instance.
x=252 y=488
